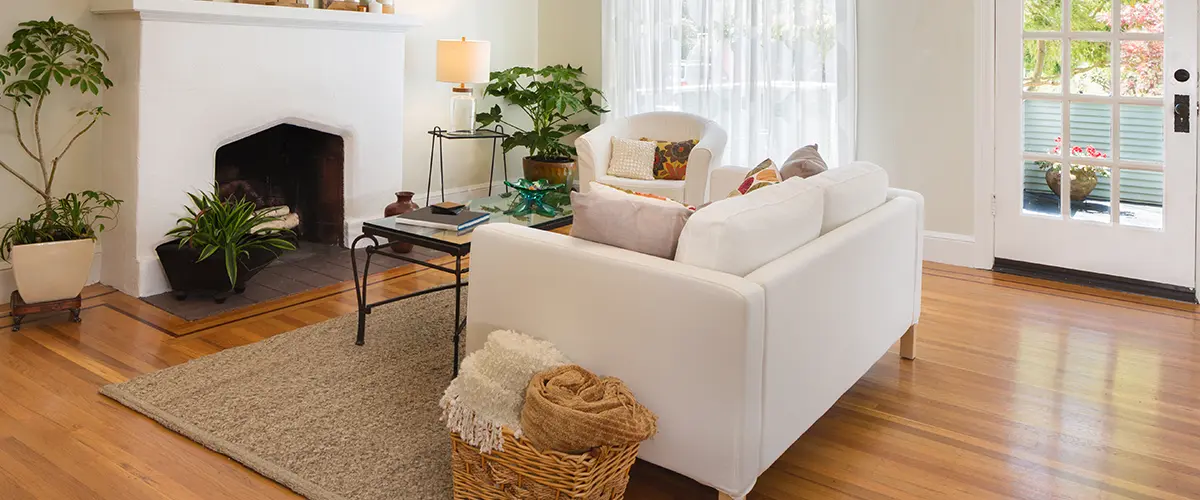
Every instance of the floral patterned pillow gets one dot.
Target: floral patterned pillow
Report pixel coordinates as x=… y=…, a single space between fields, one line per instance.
x=671 y=159
x=765 y=174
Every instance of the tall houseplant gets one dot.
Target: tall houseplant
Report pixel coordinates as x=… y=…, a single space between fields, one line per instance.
x=51 y=251
x=220 y=245
x=550 y=97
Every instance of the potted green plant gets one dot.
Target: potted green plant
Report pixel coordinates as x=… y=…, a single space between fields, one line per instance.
x=51 y=251
x=551 y=97
x=220 y=245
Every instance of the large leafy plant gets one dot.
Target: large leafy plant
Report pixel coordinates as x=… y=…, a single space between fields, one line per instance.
x=550 y=97
x=72 y=217
x=228 y=229
x=43 y=56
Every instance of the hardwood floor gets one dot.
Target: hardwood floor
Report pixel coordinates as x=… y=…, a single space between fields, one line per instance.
x=1022 y=389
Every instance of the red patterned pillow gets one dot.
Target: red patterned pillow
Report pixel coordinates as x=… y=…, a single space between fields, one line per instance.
x=765 y=174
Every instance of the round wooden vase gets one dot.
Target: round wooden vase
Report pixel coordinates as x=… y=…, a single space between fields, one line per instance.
x=554 y=172
x=403 y=205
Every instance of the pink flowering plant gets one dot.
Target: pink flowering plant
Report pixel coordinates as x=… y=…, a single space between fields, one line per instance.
x=1077 y=171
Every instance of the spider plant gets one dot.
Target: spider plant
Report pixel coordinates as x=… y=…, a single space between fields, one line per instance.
x=228 y=229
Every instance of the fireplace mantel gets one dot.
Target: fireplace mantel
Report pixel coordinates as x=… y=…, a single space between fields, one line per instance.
x=200 y=11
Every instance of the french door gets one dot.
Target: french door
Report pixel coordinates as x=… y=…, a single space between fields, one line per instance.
x=1095 y=140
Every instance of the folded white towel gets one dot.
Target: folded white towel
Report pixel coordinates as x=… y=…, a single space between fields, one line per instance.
x=489 y=392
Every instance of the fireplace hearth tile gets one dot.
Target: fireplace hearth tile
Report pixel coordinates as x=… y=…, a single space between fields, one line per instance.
x=309 y=267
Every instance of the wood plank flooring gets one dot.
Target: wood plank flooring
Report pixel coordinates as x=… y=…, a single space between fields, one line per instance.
x=1021 y=389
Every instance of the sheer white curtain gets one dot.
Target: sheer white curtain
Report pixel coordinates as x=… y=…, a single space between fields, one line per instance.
x=776 y=74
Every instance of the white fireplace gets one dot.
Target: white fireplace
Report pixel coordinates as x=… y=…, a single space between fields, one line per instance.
x=191 y=76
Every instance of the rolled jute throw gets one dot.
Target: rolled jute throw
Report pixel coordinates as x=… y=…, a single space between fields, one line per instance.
x=571 y=410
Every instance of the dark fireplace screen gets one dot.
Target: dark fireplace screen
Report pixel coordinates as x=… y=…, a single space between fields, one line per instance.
x=294 y=167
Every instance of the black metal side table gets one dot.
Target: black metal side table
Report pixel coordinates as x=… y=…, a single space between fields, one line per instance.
x=439 y=134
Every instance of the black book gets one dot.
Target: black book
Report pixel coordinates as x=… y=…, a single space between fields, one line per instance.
x=426 y=217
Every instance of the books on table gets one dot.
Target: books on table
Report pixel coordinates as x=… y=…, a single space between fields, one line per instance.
x=425 y=217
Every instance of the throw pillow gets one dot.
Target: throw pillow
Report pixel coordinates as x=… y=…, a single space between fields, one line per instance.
x=632 y=159
x=638 y=223
x=671 y=159
x=804 y=163
x=648 y=195
x=765 y=174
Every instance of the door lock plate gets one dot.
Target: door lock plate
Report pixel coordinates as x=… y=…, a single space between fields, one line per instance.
x=1183 y=115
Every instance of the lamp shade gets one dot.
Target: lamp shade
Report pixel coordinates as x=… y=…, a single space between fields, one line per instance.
x=464 y=61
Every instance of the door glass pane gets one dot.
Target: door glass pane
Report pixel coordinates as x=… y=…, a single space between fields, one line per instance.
x=1142 y=133
x=1091 y=15
x=1091 y=130
x=1091 y=68
x=1090 y=193
x=1141 y=199
x=1043 y=125
x=1039 y=199
x=1143 y=16
x=1043 y=66
x=1142 y=68
x=1043 y=15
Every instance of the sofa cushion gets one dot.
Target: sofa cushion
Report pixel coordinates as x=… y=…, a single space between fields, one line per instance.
x=634 y=222
x=740 y=234
x=850 y=191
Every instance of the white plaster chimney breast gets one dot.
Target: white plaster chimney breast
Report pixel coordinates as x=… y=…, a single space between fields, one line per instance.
x=191 y=76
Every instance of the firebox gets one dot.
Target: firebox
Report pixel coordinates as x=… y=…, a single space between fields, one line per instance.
x=294 y=167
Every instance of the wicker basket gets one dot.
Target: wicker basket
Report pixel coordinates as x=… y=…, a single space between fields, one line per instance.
x=523 y=472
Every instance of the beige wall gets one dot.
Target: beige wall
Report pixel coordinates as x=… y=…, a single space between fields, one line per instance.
x=916 y=102
x=79 y=170
x=569 y=33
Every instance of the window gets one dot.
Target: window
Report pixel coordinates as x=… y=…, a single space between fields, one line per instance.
x=776 y=74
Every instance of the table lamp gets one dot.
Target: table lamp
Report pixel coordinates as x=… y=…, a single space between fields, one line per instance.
x=462 y=62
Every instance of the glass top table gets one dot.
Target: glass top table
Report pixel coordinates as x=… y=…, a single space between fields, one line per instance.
x=459 y=242
x=380 y=234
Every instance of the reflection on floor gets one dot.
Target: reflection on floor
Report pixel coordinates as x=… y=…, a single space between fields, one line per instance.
x=1095 y=210
x=310 y=266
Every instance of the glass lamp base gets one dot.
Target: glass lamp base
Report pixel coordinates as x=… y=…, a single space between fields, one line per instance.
x=462 y=111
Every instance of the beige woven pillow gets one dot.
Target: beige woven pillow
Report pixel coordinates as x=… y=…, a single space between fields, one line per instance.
x=632 y=159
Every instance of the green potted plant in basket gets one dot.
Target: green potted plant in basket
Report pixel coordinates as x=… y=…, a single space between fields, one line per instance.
x=220 y=245
x=51 y=251
x=551 y=97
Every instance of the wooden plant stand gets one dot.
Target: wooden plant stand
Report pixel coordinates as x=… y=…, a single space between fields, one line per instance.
x=20 y=308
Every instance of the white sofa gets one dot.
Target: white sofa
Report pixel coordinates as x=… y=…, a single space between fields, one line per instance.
x=595 y=151
x=736 y=366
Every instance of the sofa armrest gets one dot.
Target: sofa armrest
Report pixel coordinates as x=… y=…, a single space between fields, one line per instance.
x=724 y=180
x=687 y=341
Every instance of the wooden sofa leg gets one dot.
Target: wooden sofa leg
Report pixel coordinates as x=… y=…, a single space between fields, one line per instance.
x=723 y=496
x=908 y=343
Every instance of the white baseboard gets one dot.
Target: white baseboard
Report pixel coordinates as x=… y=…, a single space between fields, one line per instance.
x=953 y=249
x=8 y=283
x=458 y=194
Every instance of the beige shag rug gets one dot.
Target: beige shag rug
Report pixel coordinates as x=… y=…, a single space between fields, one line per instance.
x=312 y=411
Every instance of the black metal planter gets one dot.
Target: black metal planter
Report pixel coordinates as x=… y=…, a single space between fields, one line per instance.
x=208 y=276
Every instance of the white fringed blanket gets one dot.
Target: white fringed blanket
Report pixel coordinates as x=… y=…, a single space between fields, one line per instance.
x=489 y=392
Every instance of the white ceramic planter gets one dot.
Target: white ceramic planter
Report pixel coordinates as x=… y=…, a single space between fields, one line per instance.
x=52 y=271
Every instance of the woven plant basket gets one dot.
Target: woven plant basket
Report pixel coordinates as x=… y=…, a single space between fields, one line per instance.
x=522 y=472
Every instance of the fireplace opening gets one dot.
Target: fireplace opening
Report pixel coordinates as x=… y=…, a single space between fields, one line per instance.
x=293 y=167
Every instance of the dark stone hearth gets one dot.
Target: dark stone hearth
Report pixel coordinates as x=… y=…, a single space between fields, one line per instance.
x=311 y=266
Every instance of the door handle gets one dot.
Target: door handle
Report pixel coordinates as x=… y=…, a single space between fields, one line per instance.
x=1183 y=115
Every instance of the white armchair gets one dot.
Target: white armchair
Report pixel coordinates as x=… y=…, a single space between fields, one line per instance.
x=595 y=150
